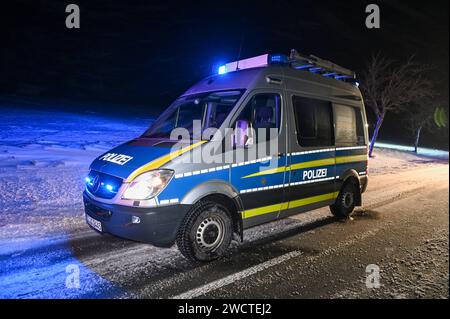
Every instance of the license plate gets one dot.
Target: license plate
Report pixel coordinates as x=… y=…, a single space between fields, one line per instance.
x=97 y=225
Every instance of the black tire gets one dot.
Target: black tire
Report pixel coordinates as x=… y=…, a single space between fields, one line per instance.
x=206 y=232
x=346 y=201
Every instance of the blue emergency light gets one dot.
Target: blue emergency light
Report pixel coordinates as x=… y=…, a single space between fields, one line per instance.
x=222 y=69
x=254 y=62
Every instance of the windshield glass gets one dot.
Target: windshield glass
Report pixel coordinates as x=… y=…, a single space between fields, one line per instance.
x=210 y=108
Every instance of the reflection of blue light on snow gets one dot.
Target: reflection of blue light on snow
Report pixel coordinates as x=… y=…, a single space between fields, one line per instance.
x=421 y=150
x=39 y=268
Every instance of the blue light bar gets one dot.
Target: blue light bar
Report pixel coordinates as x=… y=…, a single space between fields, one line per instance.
x=297 y=61
x=222 y=69
x=278 y=58
x=254 y=62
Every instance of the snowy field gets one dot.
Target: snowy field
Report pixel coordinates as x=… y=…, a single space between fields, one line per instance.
x=44 y=157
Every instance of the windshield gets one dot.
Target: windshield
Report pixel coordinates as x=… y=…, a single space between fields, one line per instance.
x=210 y=108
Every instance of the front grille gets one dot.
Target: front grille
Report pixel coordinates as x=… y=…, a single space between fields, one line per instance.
x=97 y=212
x=103 y=185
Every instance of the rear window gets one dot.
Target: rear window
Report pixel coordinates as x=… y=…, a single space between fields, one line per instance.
x=349 y=127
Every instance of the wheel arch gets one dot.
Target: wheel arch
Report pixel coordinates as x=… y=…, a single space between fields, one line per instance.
x=222 y=193
x=351 y=176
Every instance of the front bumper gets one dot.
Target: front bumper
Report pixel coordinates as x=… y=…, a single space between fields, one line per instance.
x=158 y=226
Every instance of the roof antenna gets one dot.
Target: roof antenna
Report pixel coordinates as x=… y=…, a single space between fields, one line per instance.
x=240 y=49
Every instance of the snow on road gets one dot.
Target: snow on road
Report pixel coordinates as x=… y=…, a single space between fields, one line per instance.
x=44 y=157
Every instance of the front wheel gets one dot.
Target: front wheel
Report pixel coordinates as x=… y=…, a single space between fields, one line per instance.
x=206 y=232
x=346 y=201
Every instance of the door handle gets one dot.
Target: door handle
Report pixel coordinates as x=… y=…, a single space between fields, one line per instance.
x=281 y=154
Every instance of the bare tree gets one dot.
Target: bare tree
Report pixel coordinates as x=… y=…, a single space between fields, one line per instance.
x=389 y=86
x=420 y=116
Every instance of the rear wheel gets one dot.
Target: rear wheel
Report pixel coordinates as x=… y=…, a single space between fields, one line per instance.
x=346 y=201
x=206 y=232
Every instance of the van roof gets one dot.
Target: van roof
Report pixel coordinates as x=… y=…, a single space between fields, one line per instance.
x=297 y=72
x=277 y=76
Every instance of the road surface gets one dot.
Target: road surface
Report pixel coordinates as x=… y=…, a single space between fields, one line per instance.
x=402 y=231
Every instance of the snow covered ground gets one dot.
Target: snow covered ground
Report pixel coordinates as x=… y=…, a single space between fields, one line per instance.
x=394 y=158
x=44 y=157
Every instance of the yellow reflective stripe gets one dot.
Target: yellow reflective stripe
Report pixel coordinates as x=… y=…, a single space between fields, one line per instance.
x=157 y=163
x=321 y=162
x=311 y=164
x=264 y=210
x=351 y=159
x=312 y=200
x=292 y=204
x=268 y=172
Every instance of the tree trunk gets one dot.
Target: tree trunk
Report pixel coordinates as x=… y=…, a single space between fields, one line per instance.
x=380 y=119
x=416 y=142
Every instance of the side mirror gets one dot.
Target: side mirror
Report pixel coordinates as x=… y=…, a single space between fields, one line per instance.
x=243 y=134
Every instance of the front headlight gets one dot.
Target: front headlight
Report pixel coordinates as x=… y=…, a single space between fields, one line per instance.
x=148 y=185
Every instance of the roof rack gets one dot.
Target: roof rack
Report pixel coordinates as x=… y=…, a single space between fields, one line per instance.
x=317 y=65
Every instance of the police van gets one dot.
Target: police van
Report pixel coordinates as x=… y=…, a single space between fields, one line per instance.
x=161 y=189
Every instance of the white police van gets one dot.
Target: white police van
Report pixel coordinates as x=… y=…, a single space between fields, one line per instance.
x=151 y=189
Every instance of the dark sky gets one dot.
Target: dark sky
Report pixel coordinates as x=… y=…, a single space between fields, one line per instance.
x=143 y=55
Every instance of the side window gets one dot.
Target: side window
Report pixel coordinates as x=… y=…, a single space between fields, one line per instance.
x=262 y=112
x=349 y=129
x=314 y=122
x=360 y=127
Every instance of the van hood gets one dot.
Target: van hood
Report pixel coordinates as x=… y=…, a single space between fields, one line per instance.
x=124 y=159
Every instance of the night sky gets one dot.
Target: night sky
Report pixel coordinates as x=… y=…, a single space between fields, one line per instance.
x=143 y=55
